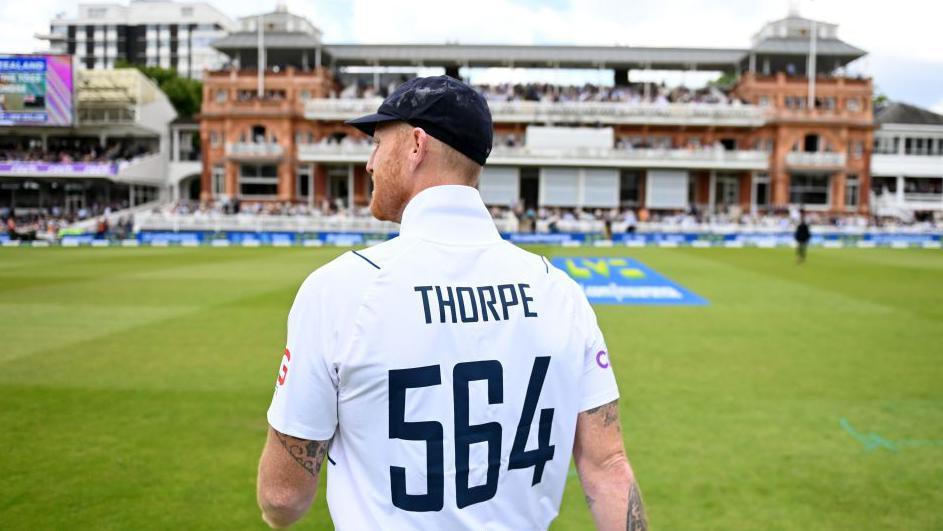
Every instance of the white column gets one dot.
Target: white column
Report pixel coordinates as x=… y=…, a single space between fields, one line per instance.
x=260 y=67
x=350 y=187
x=810 y=70
x=752 y=193
x=900 y=190
x=711 y=192
x=646 y=90
x=314 y=173
x=314 y=180
x=580 y=188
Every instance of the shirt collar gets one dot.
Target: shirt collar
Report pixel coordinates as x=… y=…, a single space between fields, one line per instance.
x=448 y=214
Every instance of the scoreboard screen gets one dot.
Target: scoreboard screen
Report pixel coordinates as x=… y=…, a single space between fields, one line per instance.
x=36 y=90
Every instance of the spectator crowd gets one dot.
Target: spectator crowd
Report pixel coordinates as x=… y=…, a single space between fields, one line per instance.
x=70 y=151
x=49 y=224
x=559 y=219
x=634 y=93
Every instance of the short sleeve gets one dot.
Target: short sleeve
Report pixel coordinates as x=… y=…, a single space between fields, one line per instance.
x=305 y=400
x=599 y=382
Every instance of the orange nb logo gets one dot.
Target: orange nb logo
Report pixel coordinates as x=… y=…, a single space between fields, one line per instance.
x=283 y=372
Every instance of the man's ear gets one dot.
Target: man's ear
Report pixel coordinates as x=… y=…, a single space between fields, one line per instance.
x=419 y=146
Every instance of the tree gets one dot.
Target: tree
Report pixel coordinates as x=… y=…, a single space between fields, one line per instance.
x=186 y=95
x=880 y=100
x=725 y=81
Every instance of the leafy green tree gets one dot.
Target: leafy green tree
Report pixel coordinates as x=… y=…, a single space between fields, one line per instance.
x=186 y=95
x=880 y=100
x=725 y=81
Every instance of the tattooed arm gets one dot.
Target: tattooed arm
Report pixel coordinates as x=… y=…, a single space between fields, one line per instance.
x=608 y=482
x=288 y=477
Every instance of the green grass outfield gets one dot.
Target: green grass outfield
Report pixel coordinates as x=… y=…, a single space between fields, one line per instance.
x=134 y=384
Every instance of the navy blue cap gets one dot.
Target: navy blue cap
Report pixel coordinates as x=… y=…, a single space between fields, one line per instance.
x=443 y=107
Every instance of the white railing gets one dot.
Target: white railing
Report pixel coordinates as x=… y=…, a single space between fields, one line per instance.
x=254 y=149
x=923 y=197
x=819 y=159
x=340 y=109
x=124 y=114
x=573 y=112
x=162 y=221
x=343 y=152
x=628 y=113
x=679 y=158
x=628 y=154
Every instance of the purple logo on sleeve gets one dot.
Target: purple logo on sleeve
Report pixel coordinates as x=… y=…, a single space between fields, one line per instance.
x=602 y=359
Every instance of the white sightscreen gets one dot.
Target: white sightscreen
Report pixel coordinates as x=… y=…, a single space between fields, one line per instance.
x=666 y=189
x=498 y=185
x=601 y=188
x=559 y=186
x=538 y=136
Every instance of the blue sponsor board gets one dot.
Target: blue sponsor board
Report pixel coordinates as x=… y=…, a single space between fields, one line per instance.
x=167 y=237
x=261 y=238
x=624 y=281
x=556 y=238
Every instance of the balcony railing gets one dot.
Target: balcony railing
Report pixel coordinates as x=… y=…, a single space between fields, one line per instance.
x=600 y=157
x=818 y=159
x=124 y=114
x=253 y=149
x=821 y=116
x=159 y=221
x=252 y=106
x=628 y=113
x=665 y=158
x=923 y=197
x=590 y=112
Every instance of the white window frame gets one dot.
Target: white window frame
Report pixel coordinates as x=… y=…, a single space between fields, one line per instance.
x=852 y=182
x=218 y=180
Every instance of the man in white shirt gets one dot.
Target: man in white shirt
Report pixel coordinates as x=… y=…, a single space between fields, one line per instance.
x=447 y=375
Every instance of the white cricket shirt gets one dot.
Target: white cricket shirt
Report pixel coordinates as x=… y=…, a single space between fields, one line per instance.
x=449 y=367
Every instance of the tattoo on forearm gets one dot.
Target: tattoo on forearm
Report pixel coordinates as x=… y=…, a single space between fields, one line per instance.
x=308 y=454
x=609 y=412
x=635 y=517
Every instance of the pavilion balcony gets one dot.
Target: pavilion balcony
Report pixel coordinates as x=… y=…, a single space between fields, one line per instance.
x=583 y=157
x=815 y=160
x=586 y=112
x=254 y=150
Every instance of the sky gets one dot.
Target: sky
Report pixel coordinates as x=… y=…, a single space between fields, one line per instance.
x=902 y=37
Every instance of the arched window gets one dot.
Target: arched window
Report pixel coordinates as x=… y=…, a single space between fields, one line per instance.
x=258 y=133
x=811 y=143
